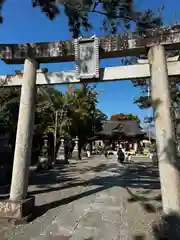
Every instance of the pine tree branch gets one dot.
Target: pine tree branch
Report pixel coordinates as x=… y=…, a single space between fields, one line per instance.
x=130 y=18
x=95 y=5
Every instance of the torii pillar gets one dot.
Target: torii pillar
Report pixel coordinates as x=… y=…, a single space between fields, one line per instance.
x=167 y=156
x=19 y=206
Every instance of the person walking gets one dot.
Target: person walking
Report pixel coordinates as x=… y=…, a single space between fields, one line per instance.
x=106 y=151
x=129 y=157
x=69 y=146
x=121 y=155
x=66 y=152
x=88 y=149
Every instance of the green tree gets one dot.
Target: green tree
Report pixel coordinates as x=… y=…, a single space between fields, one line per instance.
x=117 y=14
x=148 y=21
x=82 y=116
x=9 y=106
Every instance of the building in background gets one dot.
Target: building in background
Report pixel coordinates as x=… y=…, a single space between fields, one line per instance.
x=125 y=131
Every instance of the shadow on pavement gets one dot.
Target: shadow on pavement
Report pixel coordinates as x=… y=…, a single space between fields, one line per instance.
x=40 y=210
x=145 y=202
x=166 y=228
x=135 y=176
x=98 y=168
x=44 y=180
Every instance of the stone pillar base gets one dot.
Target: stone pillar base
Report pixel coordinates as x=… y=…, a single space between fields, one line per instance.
x=17 y=212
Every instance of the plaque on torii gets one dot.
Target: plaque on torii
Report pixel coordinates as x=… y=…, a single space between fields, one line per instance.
x=87 y=58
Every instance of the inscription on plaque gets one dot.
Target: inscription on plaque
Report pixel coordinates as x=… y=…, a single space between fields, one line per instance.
x=87 y=58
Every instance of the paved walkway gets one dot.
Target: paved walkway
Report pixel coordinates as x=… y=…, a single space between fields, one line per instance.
x=96 y=199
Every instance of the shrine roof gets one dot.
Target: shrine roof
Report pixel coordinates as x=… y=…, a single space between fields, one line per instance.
x=126 y=127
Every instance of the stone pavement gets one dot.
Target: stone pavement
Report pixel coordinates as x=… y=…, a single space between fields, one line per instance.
x=96 y=199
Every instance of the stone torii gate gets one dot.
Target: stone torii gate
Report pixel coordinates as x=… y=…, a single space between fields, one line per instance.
x=153 y=44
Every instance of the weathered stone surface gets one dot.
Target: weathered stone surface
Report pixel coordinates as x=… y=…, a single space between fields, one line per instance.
x=16 y=209
x=90 y=206
x=112 y=46
x=24 y=134
x=130 y=72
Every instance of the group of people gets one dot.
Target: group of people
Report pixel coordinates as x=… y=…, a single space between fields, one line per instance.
x=121 y=151
x=122 y=156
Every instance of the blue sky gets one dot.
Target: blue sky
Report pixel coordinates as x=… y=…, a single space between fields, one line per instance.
x=23 y=24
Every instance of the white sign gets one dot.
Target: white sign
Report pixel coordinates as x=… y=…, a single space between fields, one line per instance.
x=87 y=58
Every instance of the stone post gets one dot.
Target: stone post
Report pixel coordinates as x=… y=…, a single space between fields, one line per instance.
x=167 y=157
x=24 y=135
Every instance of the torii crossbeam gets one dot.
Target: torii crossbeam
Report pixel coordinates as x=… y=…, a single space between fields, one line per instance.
x=130 y=72
x=110 y=46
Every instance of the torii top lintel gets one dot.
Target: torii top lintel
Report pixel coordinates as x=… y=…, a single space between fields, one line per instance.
x=110 y=46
